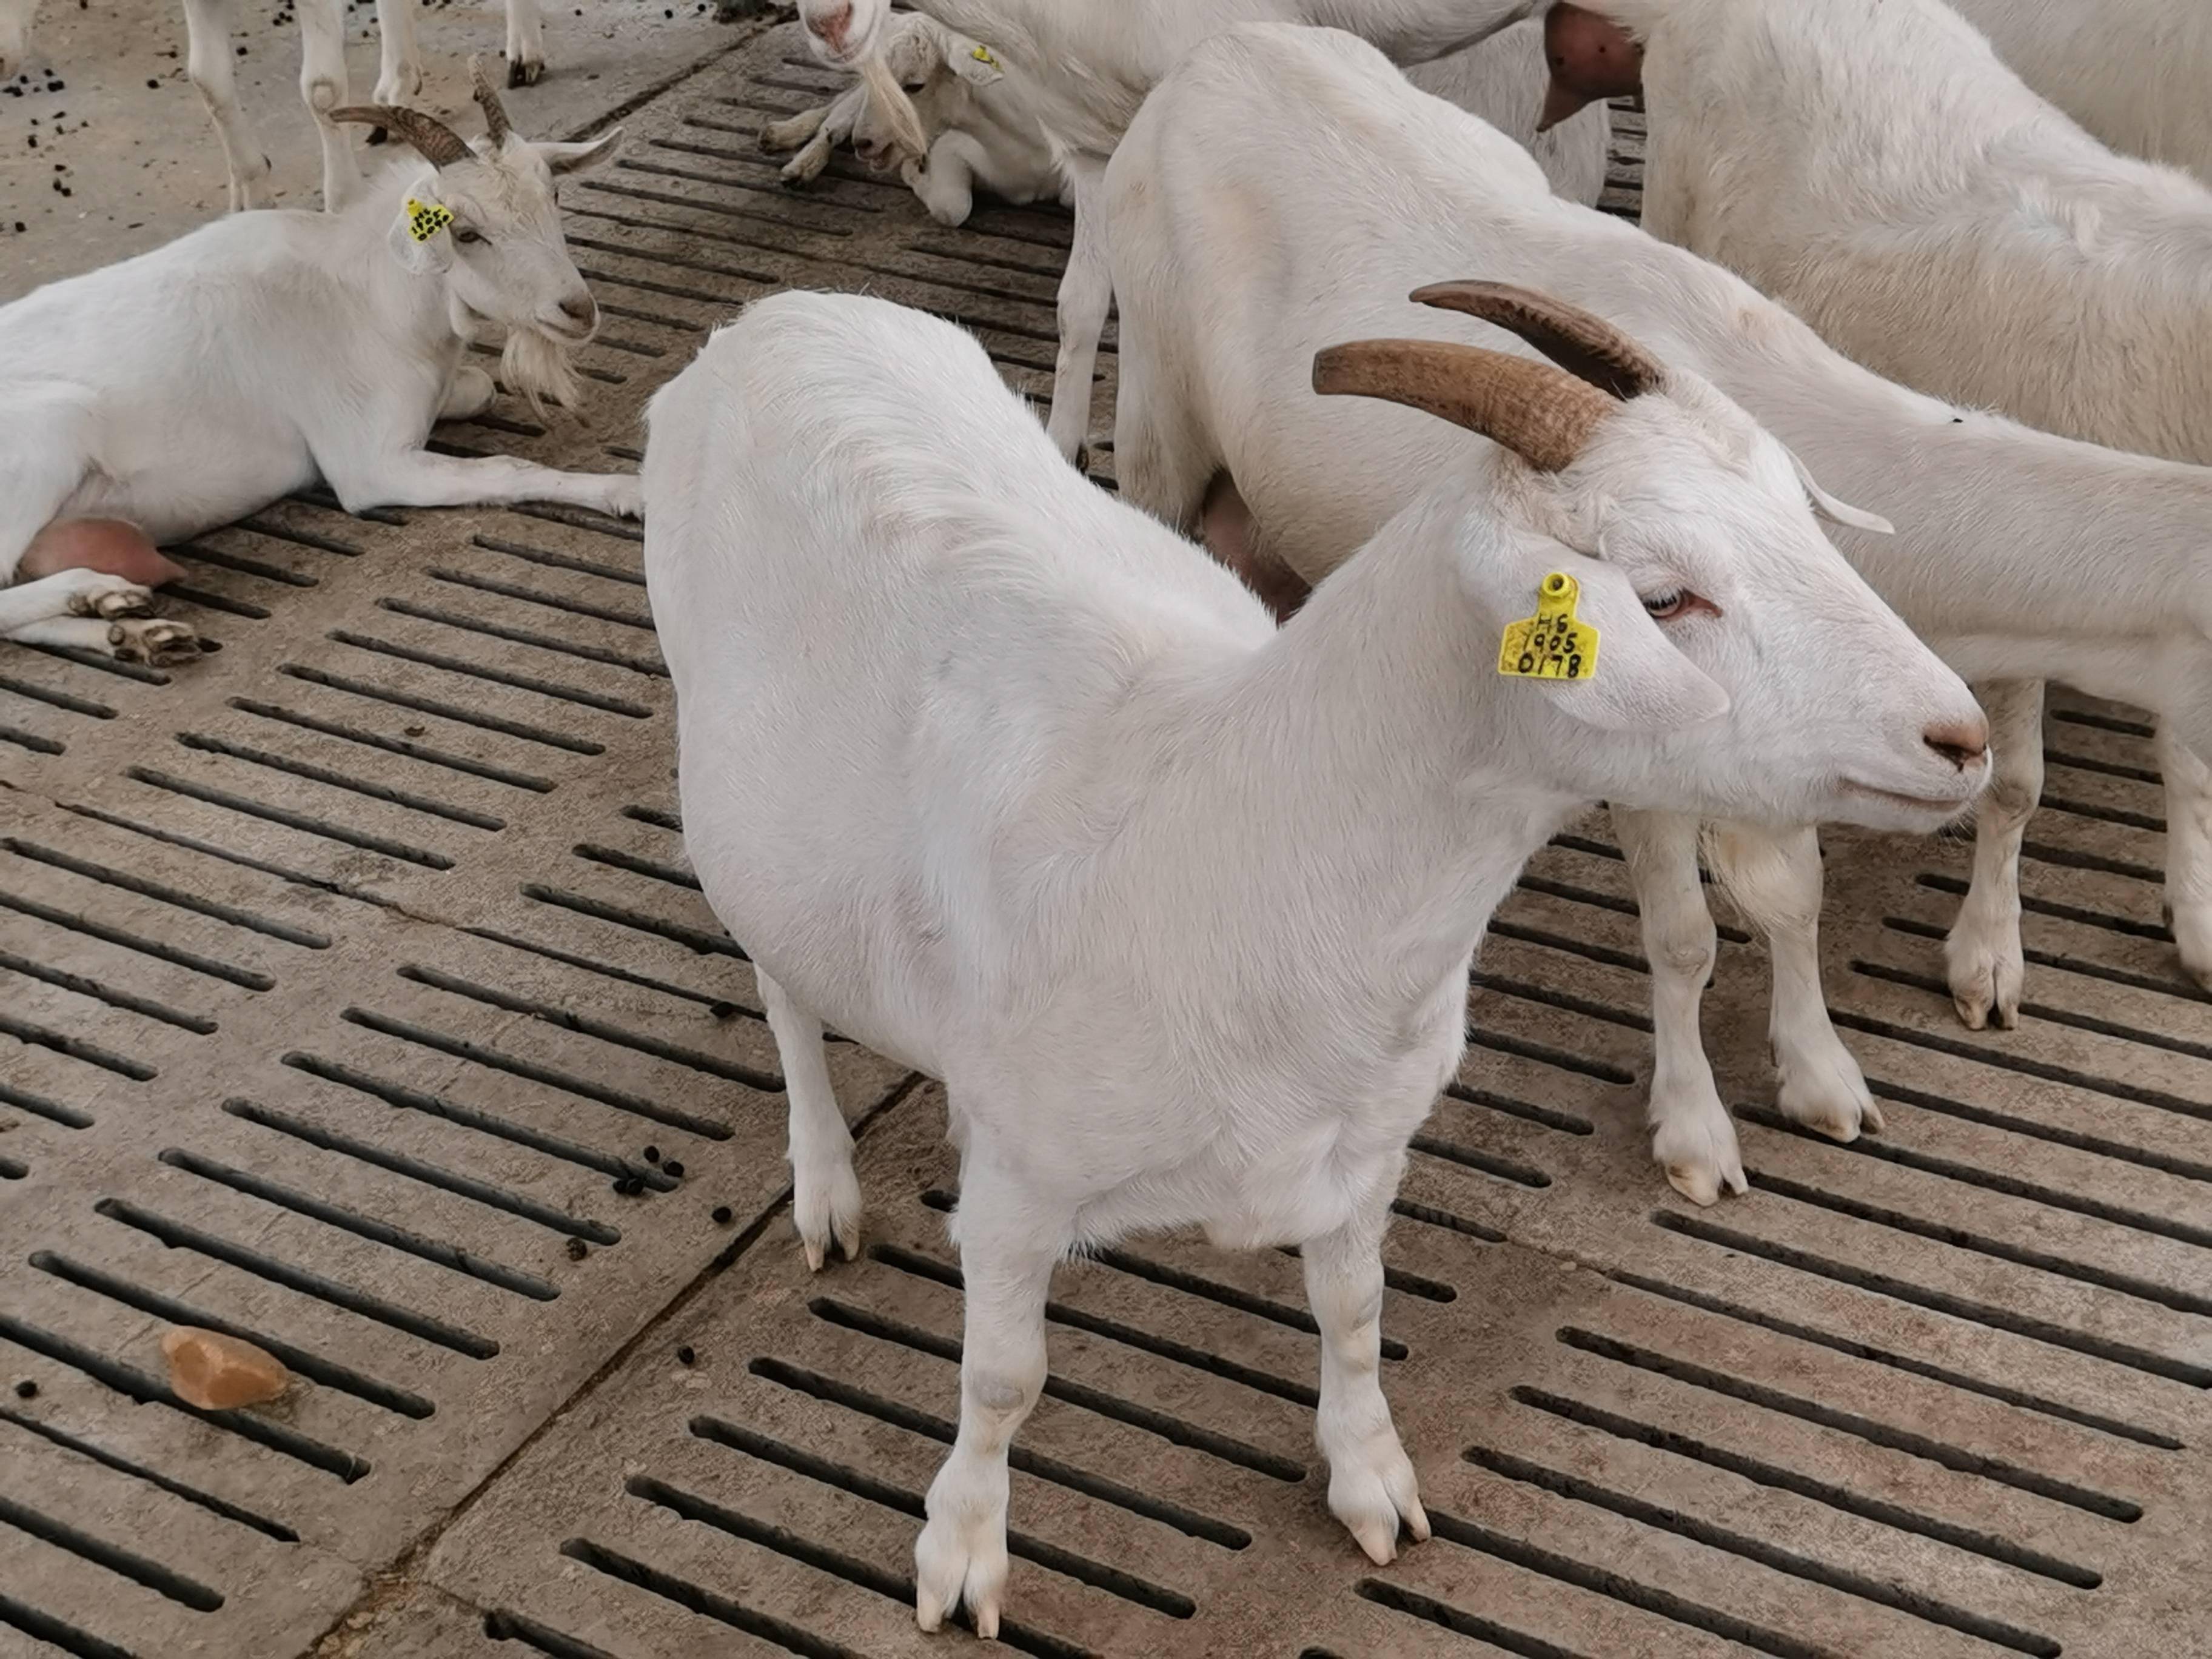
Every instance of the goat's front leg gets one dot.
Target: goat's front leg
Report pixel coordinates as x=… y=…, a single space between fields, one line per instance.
x=946 y=181
x=469 y=393
x=324 y=85
x=1983 y=951
x=526 y=43
x=826 y=1194
x=1006 y=1259
x=1086 y=292
x=1774 y=876
x=208 y=62
x=2188 y=853
x=1370 y=1480
x=1693 y=1137
x=794 y=129
x=416 y=477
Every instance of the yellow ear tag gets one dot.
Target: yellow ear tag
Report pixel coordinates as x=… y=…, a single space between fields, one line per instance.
x=426 y=219
x=982 y=55
x=1551 y=645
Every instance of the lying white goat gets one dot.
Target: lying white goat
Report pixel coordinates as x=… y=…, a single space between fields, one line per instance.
x=197 y=382
x=2133 y=72
x=1080 y=68
x=2015 y=551
x=1181 y=906
x=1872 y=165
x=978 y=137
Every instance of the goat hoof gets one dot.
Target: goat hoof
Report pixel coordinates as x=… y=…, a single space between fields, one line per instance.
x=158 y=644
x=523 y=72
x=1081 y=459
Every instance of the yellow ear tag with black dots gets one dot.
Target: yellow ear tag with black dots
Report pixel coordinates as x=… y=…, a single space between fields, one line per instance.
x=1553 y=644
x=426 y=219
x=982 y=55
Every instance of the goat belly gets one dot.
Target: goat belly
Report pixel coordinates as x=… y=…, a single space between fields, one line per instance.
x=111 y=546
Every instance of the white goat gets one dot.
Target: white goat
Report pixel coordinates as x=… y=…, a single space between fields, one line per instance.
x=191 y=385
x=2133 y=72
x=1082 y=67
x=978 y=136
x=1872 y=164
x=1502 y=80
x=1181 y=906
x=1292 y=176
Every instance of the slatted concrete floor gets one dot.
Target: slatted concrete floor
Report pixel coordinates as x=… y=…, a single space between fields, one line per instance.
x=347 y=972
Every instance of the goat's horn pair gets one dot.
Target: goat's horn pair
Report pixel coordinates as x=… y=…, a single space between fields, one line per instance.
x=494 y=113
x=1542 y=414
x=432 y=139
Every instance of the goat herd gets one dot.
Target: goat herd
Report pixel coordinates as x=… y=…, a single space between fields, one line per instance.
x=1172 y=867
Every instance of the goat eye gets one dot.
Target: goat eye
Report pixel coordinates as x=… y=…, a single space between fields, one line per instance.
x=468 y=236
x=1674 y=601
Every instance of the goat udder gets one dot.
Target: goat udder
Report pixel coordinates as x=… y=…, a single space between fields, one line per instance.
x=109 y=545
x=1591 y=58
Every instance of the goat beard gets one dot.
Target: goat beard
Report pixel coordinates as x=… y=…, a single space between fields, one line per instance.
x=538 y=365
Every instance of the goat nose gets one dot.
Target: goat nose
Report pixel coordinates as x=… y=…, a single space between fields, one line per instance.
x=1960 y=742
x=580 y=307
x=831 y=26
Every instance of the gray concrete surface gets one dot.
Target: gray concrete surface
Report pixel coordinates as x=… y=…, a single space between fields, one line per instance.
x=140 y=160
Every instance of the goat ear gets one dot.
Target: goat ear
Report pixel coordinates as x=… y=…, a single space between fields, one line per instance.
x=424 y=257
x=971 y=60
x=1640 y=683
x=1826 y=506
x=580 y=158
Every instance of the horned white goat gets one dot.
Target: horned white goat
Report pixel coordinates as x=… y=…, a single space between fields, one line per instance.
x=1503 y=81
x=1295 y=185
x=195 y=383
x=1082 y=67
x=978 y=136
x=2133 y=72
x=1060 y=725
x=2036 y=273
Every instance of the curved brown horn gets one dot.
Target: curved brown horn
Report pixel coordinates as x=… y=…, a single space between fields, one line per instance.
x=1542 y=416
x=494 y=113
x=1587 y=346
x=437 y=142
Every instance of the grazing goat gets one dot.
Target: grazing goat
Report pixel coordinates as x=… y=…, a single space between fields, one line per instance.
x=2133 y=72
x=977 y=135
x=1179 y=905
x=1291 y=177
x=1872 y=165
x=195 y=383
x=1081 y=68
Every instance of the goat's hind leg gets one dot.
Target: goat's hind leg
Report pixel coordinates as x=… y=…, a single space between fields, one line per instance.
x=1006 y=1258
x=1983 y=953
x=324 y=87
x=1693 y=1137
x=526 y=43
x=2188 y=853
x=1086 y=293
x=826 y=1194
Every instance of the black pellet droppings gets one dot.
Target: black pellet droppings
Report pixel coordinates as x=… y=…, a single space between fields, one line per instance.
x=628 y=1185
x=686 y=1356
x=26 y=1389
x=578 y=1249
x=152 y=85
x=414 y=731
x=723 y=1217
x=673 y=1168
x=722 y=1010
x=653 y=1155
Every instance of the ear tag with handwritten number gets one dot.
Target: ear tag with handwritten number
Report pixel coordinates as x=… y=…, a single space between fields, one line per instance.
x=426 y=219
x=1553 y=644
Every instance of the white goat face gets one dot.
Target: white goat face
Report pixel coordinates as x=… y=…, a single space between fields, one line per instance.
x=1701 y=544
x=840 y=32
x=503 y=256
x=937 y=67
